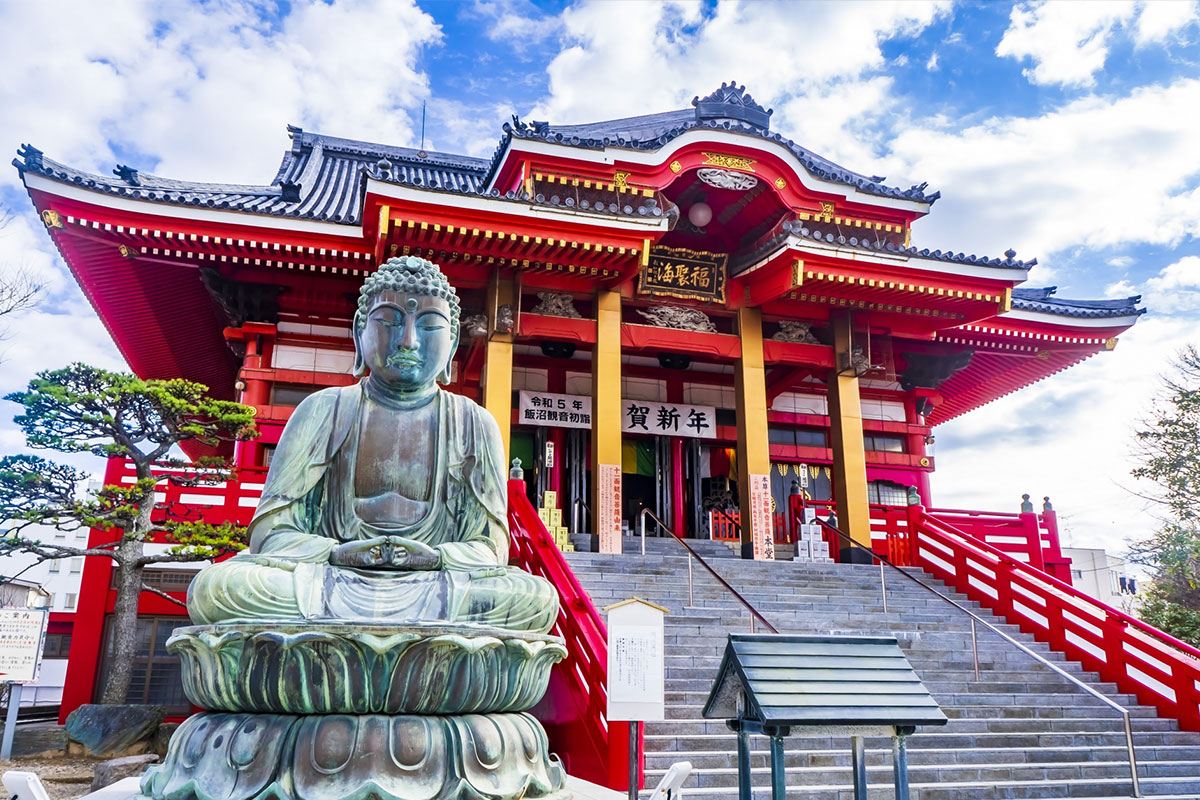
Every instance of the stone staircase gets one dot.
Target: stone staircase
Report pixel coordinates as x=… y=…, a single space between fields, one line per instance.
x=1022 y=731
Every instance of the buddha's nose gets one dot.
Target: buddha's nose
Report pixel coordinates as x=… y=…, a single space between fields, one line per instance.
x=408 y=339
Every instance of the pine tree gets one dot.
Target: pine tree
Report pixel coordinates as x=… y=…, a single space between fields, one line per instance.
x=1169 y=451
x=82 y=409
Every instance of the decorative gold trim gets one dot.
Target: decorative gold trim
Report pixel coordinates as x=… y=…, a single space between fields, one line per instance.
x=125 y=251
x=924 y=462
x=729 y=162
x=1006 y=302
x=675 y=166
x=51 y=218
x=780 y=183
x=619 y=178
x=827 y=208
x=1110 y=344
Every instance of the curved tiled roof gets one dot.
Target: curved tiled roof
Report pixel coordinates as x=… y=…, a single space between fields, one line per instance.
x=841 y=239
x=1044 y=301
x=320 y=178
x=727 y=109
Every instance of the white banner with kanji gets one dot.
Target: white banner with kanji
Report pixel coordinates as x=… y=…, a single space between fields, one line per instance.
x=668 y=419
x=555 y=410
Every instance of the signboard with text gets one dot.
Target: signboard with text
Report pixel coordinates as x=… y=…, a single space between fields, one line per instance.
x=668 y=419
x=683 y=273
x=609 y=512
x=636 y=666
x=762 y=519
x=21 y=640
x=555 y=410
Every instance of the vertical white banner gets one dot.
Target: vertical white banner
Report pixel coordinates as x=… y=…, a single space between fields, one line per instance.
x=609 y=513
x=761 y=517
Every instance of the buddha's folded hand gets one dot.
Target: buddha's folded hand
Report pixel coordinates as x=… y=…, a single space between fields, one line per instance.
x=364 y=553
x=411 y=554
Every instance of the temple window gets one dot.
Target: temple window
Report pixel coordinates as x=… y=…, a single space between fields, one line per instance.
x=703 y=394
x=887 y=493
x=285 y=394
x=532 y=380
x=643 y=389
x=312 y=359
x=883 y=443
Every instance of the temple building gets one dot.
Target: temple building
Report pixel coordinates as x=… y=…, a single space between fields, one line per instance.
x=685 y=312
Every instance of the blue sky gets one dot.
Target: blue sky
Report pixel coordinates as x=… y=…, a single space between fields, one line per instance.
x=1065 y=130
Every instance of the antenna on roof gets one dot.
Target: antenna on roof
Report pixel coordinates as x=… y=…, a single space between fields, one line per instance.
x=421 y=153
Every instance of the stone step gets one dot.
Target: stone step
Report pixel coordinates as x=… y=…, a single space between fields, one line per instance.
x=1020 y=731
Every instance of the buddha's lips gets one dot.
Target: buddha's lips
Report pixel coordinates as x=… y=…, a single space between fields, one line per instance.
x=403 y=359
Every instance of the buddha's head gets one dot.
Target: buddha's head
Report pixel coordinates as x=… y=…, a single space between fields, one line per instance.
x=406 y=325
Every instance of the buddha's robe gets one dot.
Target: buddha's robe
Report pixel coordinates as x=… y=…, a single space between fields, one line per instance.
x=308 y=508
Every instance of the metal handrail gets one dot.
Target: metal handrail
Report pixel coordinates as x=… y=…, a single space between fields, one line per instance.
x=754 y=614
x=976 y=619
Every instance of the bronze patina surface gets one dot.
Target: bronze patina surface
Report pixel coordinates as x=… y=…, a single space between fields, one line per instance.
x=372 y=640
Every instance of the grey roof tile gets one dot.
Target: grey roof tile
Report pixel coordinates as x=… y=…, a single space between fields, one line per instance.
x=1043 y=300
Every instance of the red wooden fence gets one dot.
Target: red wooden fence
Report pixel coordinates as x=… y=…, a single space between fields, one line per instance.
x=574 y=709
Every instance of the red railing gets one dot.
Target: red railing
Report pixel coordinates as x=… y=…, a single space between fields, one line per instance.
x=574 y=710
x=226 y=501
x=1161 y=670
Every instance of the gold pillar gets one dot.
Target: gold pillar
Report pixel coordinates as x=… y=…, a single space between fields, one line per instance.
x=849 y=456
x=497 y=367
x=753 y=453
x=606 y=422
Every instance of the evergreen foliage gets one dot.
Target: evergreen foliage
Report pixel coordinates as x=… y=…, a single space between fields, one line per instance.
x=1169 y=451
x=82 y=409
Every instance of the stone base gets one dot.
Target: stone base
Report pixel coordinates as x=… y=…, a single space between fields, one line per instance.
x=232 y=756
x=349 y=667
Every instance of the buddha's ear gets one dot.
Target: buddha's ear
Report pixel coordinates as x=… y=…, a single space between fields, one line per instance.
x=447 y=374
x=360 y=366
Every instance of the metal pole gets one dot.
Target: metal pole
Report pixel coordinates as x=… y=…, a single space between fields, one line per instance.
x=1137 y=787
x=643 y=520
x=633 y=759
x=743 y=745
x=883 y=587
x=752 y=622
x=900 y=765
x=778 y=778
x=10 y=720
x=691 y=600
x=858 y=762
x=975 y=648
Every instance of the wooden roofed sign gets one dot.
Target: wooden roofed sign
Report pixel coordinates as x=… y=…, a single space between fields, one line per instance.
x=686 y=274
x=854 y=685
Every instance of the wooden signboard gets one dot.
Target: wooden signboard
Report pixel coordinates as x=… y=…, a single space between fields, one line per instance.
x=636 y=664
x=21 y=637
x=683 y=273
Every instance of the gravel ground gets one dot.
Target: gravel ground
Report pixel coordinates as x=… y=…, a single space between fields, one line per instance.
x=64 y=778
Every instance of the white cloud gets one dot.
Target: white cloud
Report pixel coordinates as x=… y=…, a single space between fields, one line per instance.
x=205 y=90
x=1161 y=21
x=1120 y=261
x=1176 y=288
x=1070 y=437
x=1068 y=42
x=512 y=21
x=932 y=64
x=621 y=61
x=1096 y=172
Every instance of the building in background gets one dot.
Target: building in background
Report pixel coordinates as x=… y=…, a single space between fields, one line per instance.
x=684 y=311
x=1104 y=577
x=53 y=585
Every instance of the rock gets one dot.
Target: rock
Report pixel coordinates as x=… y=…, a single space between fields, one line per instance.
x=162 y=738
x=109 y=772
x=112 y=730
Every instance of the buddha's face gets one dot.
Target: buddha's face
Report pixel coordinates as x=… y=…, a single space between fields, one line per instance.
x=408 y=339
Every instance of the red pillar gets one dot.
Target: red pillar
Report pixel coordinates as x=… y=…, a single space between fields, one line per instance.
x=677 y=492
x=87 y=635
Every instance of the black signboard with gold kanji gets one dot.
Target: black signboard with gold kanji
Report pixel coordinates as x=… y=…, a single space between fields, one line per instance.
x=688 y=274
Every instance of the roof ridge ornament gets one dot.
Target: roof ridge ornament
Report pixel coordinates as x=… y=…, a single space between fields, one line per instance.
x=731 y=102
x=31 y=156
x=127 y=174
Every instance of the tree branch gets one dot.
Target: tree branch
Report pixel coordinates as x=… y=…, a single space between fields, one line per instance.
x=162 y=594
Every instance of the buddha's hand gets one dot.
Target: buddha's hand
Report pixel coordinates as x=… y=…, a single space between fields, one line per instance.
x=411 y=554
x=363 y=553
